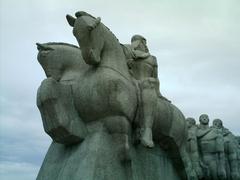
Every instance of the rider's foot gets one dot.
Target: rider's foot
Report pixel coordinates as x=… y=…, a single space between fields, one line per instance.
x=146 y=138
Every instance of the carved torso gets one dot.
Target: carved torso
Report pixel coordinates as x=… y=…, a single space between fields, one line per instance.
x=210 y=140
x=192 y=139
x=143 y=68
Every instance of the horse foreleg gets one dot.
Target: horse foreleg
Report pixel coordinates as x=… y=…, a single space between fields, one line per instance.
x=60 y=118
x=119 y=128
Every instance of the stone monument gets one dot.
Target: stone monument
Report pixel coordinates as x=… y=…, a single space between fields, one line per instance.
x=238 y=156
x=214 y=151
x=211 y=147
x=230 y=150
x=193 y=148
x=102 y=107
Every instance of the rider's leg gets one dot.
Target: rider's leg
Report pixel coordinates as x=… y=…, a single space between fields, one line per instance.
x=149 y=101
x=157 y=89
x=120 y=129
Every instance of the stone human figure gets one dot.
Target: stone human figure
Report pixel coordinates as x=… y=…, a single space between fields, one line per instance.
x=192 y=147
x=230 y=149
x=238 y=142
x=144 y=69
x=211 y=147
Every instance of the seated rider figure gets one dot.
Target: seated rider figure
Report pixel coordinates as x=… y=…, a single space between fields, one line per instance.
x=144 y=69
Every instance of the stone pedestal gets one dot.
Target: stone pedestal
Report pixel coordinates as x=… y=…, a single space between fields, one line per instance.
x=97 y=158
x=152 y=164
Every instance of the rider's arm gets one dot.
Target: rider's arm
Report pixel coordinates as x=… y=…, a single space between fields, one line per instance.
x=140 y=54
x=155 y=75
x=155 y=68
x=157 y=84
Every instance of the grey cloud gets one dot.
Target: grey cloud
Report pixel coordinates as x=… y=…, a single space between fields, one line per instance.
x=22 y=138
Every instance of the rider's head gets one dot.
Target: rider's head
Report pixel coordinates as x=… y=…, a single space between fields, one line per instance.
x=138 y=37
x=141 y=42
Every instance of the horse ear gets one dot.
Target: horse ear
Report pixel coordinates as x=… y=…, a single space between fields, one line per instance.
x=98 y=20
x=71 y=20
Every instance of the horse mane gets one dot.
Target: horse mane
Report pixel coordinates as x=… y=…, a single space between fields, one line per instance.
x=61 y=43
x=83 y=13
x=111 y=32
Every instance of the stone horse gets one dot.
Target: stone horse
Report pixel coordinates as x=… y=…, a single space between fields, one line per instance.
x=101 y=89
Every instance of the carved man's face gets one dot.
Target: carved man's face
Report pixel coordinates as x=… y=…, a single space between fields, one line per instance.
x=203 y=119
x=190 y=122
x=217 y=123
x=144 y=45
x=141 y=45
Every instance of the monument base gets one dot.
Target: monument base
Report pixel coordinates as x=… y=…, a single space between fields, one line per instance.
x=97 y=158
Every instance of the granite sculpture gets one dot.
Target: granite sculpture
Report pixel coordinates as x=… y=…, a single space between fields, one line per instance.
x=98 y=91
x=101 y=104
x=193 y=148
x=230 y=150
x=143 y=67
x=238 y=150
x=213 y=150
x=211 y=147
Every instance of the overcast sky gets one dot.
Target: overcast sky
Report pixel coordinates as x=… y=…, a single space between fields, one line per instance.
x=197 y=44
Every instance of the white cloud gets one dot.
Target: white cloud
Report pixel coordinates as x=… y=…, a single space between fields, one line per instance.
x=20 y=171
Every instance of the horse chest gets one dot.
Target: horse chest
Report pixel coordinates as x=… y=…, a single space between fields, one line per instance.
x=101 y=94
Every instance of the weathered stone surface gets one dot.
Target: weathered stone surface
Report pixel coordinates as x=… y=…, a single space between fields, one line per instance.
x=95 y=85
x=102 y=106
x=193 y=148
x=97 y=158
x=60 y=119
x=152 y=164
x=238 y=157
x=213 y=149
x=230 y=150
x=94 y=159
x=101 y=50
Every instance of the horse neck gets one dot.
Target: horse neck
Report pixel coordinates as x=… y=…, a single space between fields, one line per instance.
x=113 y=55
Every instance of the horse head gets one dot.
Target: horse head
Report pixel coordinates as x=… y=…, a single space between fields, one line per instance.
x=45 y=54
x=61 y=61
x=87 y=30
